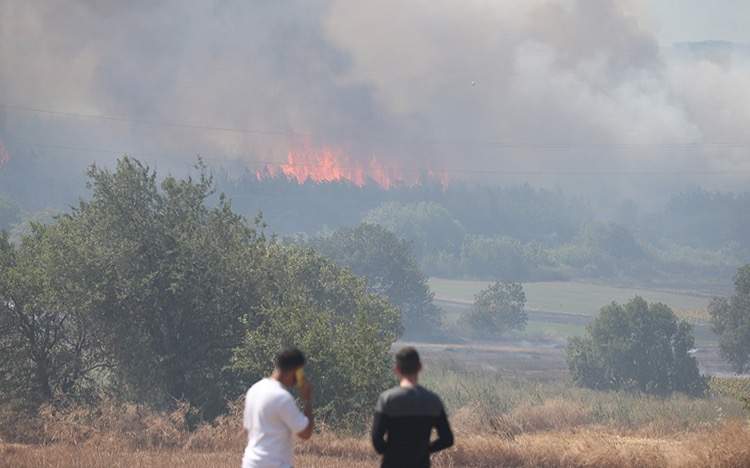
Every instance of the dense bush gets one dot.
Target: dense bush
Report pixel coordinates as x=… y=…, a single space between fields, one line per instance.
x=497 y=309
x=636 y=346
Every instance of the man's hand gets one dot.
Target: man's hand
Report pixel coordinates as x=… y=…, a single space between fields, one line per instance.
x=306 y=393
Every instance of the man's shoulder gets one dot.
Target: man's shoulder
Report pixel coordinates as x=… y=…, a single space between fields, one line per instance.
x=399 y=398
x=267 y=388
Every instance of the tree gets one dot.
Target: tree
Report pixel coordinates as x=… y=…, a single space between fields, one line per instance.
x=498 y=309
x=639 y=347
x=170 y=282
x=48 y=350
x=345 y=332
x=390 y=269
x=730 y=319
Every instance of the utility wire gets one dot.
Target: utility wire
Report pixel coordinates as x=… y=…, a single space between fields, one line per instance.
x=403 y=169
x=293 y=133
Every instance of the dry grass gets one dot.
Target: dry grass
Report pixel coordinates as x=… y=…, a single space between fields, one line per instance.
x=498 y=422
x=727 y=446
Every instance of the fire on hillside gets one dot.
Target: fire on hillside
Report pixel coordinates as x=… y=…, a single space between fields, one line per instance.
x=329 y=165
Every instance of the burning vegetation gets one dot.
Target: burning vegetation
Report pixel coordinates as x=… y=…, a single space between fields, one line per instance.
x=332 y=165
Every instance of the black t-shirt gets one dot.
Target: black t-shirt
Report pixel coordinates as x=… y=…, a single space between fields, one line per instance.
x=401 y=429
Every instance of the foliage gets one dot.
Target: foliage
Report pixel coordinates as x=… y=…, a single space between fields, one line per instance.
x=730 y=319
x=497 y=309
x=734 y=387
x=47 y=346
x=390 y=269
x=427 y=225
x=169 y=281
x=345 y=332
x=498 y=257
x=147 y=293
x=639 y=347
x=25 y=224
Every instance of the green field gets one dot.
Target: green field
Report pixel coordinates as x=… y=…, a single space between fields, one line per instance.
x=576 y=297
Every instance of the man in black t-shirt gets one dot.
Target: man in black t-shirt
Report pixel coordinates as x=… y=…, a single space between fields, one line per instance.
x=405 y=416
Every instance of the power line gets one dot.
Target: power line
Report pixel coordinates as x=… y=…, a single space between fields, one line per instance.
x=415 y=170
x=155 y=123
x=293 y=133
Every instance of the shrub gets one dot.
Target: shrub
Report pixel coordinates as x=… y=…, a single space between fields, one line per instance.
x=636 y=346
x=497 y=309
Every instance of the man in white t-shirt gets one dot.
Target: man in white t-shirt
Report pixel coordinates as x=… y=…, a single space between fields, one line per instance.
x=272 y=417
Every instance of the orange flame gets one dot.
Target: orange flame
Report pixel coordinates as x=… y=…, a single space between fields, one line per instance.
x=334 y=166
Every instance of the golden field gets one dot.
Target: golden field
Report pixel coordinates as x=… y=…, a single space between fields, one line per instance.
x=499 y=421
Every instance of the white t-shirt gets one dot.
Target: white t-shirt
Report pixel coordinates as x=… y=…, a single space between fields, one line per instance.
x=272 y=418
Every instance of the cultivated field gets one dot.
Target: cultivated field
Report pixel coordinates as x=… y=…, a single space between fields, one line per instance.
x=557 y=311
x=577 y=297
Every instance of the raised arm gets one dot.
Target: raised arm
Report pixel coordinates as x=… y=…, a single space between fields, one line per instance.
x=306 y=394
x=299 y=423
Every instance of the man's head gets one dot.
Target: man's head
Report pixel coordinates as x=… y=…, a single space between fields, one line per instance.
x=407 y=362
x=285 y=365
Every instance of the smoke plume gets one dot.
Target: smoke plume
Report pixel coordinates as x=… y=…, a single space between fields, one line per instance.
x=572 y=93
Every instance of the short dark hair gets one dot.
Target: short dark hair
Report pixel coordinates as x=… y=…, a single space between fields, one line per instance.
x=289 y=359
x=407 y=361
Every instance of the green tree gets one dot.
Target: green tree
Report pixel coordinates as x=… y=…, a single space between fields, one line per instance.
x=170 y=282
x=345 y=331
x=391 y=271
x=48 y=348
x=730 y=319
x=497 y=309
x=636 y=346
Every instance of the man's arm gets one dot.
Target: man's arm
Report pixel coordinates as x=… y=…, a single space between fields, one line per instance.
x=378 y=432
x=445 y=435
x=306 y=394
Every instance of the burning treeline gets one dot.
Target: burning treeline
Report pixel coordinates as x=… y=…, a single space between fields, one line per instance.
x=334 y=165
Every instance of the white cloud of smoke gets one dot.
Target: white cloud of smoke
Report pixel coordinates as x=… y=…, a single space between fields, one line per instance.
x=566 y=86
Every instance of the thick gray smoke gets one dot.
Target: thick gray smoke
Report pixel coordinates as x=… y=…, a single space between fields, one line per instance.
x=571 y=93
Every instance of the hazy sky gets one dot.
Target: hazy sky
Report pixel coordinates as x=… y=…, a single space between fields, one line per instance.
x=699 y=20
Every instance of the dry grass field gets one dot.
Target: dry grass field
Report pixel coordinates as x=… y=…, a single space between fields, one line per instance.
x=499 y=422
x=725 y=446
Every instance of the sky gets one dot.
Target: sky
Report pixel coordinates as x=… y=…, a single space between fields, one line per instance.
x=698 y=20
x=582 y=94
